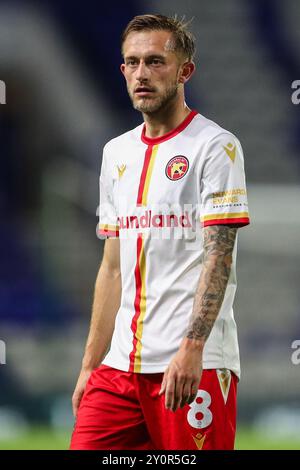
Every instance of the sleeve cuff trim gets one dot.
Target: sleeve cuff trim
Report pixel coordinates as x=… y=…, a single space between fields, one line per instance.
x=241 y=222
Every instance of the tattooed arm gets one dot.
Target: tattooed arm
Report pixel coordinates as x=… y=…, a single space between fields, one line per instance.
x=182 y=377
x=218 y=246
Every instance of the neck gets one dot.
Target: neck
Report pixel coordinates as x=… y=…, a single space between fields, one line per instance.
x=165 y=120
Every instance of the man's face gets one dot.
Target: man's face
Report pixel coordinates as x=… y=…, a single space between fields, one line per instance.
x=151 y=70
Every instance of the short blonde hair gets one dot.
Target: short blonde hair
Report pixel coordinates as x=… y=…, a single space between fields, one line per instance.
x=184 y=41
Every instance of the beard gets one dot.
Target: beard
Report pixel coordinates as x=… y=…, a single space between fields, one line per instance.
x=153 y=105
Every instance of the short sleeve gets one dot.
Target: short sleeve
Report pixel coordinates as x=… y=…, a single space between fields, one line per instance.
x=222 y=195
x=108 y=220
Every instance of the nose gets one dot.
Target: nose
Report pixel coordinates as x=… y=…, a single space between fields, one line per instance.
x=142 y=72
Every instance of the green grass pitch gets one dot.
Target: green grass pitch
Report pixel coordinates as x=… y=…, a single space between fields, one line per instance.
x=45 y=439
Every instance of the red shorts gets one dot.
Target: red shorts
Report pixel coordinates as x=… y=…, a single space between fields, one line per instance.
x=123 y=411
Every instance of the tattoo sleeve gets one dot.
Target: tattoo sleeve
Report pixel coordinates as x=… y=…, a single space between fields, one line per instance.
x=218 y=246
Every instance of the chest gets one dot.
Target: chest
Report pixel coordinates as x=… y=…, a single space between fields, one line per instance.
x=155 y=175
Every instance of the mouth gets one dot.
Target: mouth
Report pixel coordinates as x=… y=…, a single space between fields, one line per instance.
x=143 y=91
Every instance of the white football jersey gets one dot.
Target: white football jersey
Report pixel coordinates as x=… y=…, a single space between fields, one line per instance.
x=157 y=194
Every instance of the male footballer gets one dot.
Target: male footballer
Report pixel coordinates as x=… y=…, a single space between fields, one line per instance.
x=161 y=363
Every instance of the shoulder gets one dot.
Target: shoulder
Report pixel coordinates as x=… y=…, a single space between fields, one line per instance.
x=115 y=148
x=121 y=142
x=211 y=133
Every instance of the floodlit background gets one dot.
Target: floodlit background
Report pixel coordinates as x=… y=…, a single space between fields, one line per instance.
x=65 y=99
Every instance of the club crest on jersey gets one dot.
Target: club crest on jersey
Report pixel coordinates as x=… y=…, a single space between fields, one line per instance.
x=177 y=167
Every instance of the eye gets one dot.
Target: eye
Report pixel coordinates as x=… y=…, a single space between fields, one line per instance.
x=131 y=62
x=156 y=61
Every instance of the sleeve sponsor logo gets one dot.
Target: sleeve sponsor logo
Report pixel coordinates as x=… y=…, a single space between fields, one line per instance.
x=228 y=197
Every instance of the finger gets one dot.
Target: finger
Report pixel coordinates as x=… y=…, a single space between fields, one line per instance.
x=179 y=384
x=170 y=392
x=75 y=408
x=186 y=393
x=193 y=393
x=76 y=402
x=164 y=383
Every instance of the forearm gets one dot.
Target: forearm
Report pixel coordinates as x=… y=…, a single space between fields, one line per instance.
x=107 y=298
x=218 y=246
x=182 y=377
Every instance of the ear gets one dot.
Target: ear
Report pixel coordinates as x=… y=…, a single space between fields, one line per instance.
x=187 y=70
x=122 y=68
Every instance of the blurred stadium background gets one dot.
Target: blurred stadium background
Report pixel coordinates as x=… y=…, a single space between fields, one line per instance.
x=65 y=99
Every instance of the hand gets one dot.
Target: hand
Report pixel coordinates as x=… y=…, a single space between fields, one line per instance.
x=182 y=377
x=79 y=389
